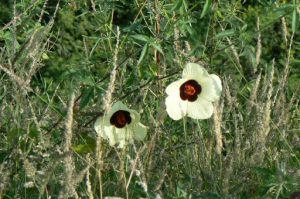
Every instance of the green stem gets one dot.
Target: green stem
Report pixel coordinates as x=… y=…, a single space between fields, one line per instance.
x=187 y=151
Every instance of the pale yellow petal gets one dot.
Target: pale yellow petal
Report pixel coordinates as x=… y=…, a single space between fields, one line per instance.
x=99 y=126
x=193 y=71
x=200 y=109
x=139 y=132
x=118 y=106
x=176 y=108
x=173 y=88
x=135 y=116
x=122 y=144
x=218 y=85
x=211 y=88
x=110 y=133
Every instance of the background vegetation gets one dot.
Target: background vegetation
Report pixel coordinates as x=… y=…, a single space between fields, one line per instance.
x=56 y=60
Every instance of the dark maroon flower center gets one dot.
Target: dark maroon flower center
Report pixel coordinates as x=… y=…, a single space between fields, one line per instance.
x=120 y=118
x=190 y=90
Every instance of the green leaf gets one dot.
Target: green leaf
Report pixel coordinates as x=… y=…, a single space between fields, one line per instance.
x=14 y=134
x=206 y=8
x=84 y=148
x=45 y=56
x=286 y=7
x=87 y=145
x=143 y=54
x=33 y=132
x=177 y=5
x=140 y=37
x=295 y=20
x=87 y=95
x=183 y=8
x=190 y=30
x=134 y=26
x=226 y=33
x=157 y=47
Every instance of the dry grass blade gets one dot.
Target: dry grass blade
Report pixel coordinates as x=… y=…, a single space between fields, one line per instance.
x=69 y=162
x=18 y=80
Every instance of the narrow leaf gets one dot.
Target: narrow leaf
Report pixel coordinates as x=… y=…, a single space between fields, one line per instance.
x=295 y=20
x=157 y=47
x=140 y=37
x=177 y=5
x=226 y=33
x=143 y=54
x=206 y=8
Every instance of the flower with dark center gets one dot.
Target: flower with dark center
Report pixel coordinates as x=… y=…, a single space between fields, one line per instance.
x=120 y=125
x=120 y=118
x=190 y=90
x=193 y=94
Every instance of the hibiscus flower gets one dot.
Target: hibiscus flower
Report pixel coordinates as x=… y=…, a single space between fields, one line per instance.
x=193 y=94
x=120 y=125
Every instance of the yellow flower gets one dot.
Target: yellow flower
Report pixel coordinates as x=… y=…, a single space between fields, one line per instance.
x=120 y=125
x=193 y=94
